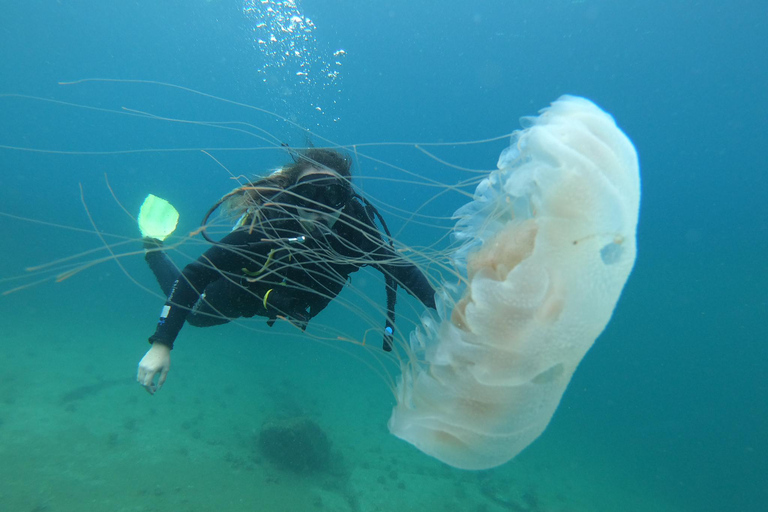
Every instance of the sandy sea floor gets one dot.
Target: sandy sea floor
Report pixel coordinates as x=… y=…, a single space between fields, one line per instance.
x=77 y=433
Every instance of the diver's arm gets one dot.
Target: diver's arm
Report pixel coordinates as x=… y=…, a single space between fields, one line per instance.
x=361 y=232
x=410 y=277
x=157 y=360
x=407 y=275
x=184 y=294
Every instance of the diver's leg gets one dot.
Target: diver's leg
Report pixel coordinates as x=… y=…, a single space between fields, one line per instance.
x=203 y=315
x=160 y=264
x=221 y=302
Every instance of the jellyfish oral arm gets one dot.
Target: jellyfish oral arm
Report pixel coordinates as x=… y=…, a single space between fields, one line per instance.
x=547 y=245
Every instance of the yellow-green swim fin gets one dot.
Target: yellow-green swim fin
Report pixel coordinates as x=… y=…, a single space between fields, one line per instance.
x=157 y=218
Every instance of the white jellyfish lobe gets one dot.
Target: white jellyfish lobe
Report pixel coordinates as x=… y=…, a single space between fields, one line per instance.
x=547 y=245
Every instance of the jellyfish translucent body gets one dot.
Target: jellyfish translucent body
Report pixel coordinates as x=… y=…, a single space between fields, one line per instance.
x=547 y=245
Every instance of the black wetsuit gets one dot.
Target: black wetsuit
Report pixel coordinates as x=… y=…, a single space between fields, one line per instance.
x=251 y=273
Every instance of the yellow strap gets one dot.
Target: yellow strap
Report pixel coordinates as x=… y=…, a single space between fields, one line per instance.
x=266 y=295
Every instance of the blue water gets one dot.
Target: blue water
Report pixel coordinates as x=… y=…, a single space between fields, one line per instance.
x=668 y=411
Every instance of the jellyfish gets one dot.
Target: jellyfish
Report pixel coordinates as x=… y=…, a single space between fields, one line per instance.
x=547 y=244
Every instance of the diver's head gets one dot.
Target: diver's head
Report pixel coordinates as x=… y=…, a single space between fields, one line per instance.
x=314 y=189
x=319 y=195
x=320 y=188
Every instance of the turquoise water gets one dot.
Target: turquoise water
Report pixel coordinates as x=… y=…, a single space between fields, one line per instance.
x=666 y=413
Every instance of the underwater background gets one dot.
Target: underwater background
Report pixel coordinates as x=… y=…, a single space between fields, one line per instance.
x=667 y=412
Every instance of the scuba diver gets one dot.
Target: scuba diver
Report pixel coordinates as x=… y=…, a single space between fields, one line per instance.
x=300 y=233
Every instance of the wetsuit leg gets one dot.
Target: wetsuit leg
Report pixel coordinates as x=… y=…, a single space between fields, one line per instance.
x=222 y=301
x=161 y=265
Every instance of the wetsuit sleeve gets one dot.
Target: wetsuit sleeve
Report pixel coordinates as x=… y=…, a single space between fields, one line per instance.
x=363 y=234
x=186 y=289
x=410 y=277
x=407 y=275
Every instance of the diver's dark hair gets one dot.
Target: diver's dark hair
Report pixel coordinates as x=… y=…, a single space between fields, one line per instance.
x=321 y=158
x=247 y=199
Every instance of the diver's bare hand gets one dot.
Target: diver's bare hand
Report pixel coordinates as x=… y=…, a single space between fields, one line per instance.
x=157 y=361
